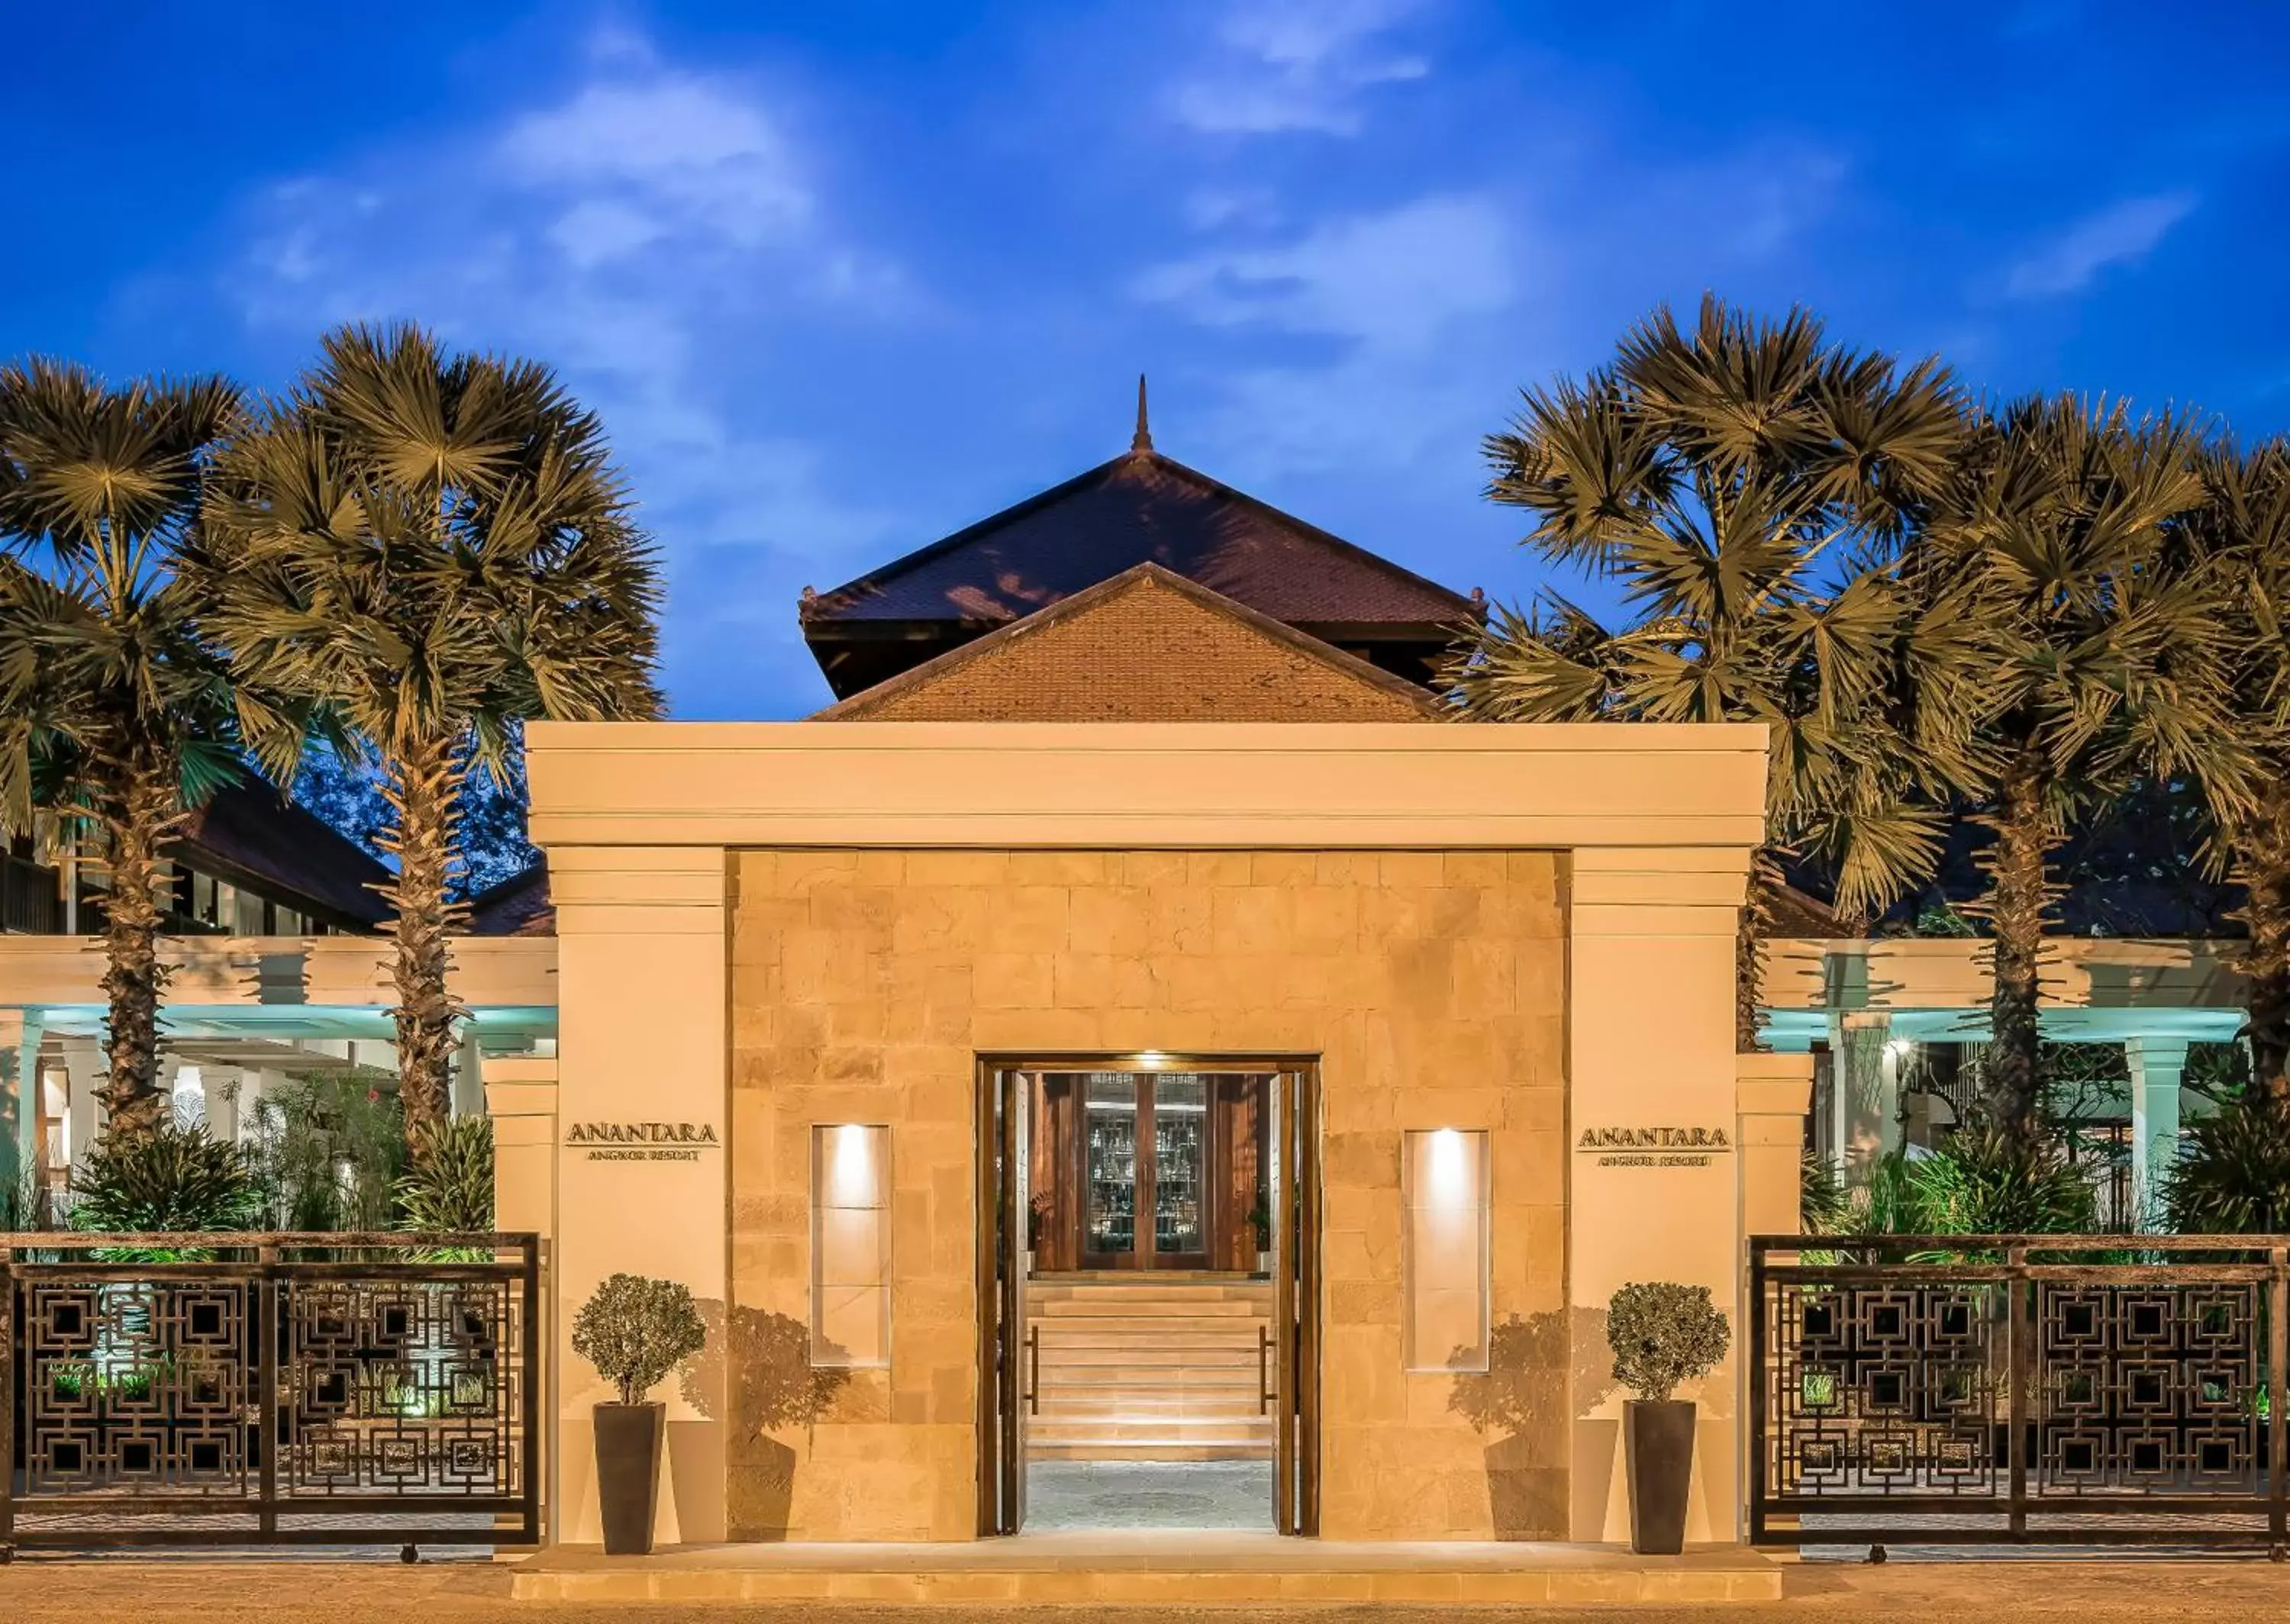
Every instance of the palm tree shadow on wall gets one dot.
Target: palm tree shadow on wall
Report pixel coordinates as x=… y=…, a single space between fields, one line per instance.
x=1545 y=1372
x=760 y=1378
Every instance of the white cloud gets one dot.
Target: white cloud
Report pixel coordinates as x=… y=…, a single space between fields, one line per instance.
x=1294 y=65
x=1391 y=281
x=2121 y=234
x=1399 y=294
x=703 y=150
x=632 y=232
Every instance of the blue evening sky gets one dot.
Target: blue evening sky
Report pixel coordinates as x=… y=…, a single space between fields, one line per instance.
x=845 y=276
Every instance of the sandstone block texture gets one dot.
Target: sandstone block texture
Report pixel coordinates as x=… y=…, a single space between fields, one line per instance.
x=1430 y=985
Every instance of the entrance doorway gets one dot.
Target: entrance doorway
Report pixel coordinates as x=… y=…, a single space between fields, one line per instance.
x=1141 y=1170
x=1148 y=1277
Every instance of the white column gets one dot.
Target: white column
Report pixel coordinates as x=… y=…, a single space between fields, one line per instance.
x=1865 y=1090
x=469 y=1098
x=84 y=1064
x=2157 y=1064
x=20 y=1093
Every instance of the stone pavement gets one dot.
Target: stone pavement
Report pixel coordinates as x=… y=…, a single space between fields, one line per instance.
x=163 y=1590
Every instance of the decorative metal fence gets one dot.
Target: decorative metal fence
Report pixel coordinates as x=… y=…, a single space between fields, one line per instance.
x=2032 y=1389
x=306 y=1389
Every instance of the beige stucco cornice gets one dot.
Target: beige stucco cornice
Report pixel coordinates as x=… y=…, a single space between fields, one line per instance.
x=323 y=972
x=2078 y=972
x=1396 y=785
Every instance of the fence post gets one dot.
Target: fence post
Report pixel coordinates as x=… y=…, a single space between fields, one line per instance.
x=1758 y=1354
x=7 y=1403
x=267 y=1329
x=2277 y=1352
x=529 y=1414
x=2018 y=1346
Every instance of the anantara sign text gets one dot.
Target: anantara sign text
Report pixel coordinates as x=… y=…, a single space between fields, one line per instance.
x=1653 y=1146
x=643 y=1142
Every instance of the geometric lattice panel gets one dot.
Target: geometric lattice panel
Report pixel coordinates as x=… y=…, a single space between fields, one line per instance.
x=2150 y=1386
x=1885 y=1389
x=135 y=1386
x=402 y=1386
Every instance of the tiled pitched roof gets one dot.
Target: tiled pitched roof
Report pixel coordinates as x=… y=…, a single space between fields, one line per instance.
x=1147 y=645
x=1142 y=508
x=248 y=832
x=1792 y=912
x=518 y=906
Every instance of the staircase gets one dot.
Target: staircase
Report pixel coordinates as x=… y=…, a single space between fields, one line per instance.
x=1150 y=1369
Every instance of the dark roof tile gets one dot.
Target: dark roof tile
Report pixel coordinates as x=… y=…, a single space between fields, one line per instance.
x=1142 y=508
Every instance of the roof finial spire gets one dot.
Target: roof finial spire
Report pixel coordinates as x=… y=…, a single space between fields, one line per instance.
x=1142 y=440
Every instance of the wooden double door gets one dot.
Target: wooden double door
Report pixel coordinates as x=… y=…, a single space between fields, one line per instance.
x=1142 y=1170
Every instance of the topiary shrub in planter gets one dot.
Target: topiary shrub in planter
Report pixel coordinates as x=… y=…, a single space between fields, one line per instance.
x=635 y=1330
x=1663 y=1335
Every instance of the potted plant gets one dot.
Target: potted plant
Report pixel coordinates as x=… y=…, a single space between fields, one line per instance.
x=1662 y=1335
x=634 y=1331
x=1260 y=1218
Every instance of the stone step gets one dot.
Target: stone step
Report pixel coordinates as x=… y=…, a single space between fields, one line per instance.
x=1175 y=1346
x=1148 y=1359
x=1123 y=1304
x=1148 y=1378
x=1145 y=1404
x=1120 y=1449
x=1118 y=1429
x=1076 y=1295
x=1149 y=1372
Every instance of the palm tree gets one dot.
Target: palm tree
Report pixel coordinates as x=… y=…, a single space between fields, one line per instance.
x=2244 y=523
x=437 y=547
x=1746 y=484
x=115 y=708
x=2099 y=653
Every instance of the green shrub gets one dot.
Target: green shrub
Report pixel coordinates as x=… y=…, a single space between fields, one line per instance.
x=1986 y=1182
x=24 y=1202
x=449 y=1188
x=1663 y=1335
x=327 y=1152
x=176 y=1178
x=1823 y=1205
x=636 y=1329
x=2233 y=1172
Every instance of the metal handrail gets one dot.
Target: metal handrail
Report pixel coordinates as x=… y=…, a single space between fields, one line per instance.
x=2109 y=1240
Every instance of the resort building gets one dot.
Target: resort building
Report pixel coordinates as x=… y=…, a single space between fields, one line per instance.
x=1124 y=1061
x=270 y=923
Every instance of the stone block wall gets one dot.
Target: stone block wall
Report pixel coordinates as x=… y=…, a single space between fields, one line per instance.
x=863 y=985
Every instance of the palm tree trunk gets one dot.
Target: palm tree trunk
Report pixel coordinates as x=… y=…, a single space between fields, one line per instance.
x=2017 y=898
x=425 y=793
x=134 y=981
x=2263 y=848
x=1750 y=950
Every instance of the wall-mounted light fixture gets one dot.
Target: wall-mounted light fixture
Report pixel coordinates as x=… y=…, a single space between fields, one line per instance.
x=851 y=1245
x=1444 y=1189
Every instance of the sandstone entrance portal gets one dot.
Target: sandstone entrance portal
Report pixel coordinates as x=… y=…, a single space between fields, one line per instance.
x=1148 y=1267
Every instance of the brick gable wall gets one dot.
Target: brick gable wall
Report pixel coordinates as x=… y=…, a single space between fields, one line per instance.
x=1148 y=653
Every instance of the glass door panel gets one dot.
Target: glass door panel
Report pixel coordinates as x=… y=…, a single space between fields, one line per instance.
x=1110 y=1119
x=1181 y=1107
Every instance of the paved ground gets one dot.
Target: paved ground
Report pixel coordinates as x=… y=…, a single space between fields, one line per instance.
x=1071 y=1494
x=48 y=1591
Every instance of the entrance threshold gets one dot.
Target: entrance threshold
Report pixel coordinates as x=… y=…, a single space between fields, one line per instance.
x=1161 y=1566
